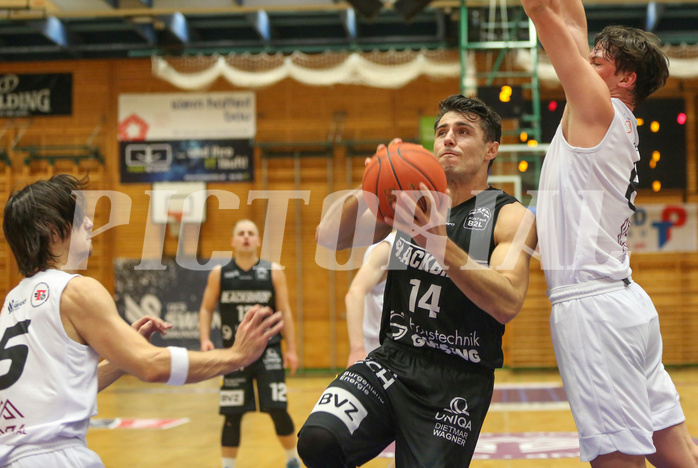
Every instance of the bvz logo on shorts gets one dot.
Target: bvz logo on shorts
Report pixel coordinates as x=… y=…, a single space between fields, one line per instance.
x=477 y=219
x=343 y=405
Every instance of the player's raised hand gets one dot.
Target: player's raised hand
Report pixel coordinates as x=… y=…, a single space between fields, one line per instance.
x=147 y=325
x=381 y=146
x=255 y=330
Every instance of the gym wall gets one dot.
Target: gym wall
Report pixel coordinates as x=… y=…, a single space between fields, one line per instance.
x=301 y=118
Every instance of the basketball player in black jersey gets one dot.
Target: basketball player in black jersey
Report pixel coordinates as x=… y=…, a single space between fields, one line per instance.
x=245 y=281
x=453 y=283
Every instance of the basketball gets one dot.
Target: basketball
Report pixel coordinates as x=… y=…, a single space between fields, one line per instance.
x=400 y=166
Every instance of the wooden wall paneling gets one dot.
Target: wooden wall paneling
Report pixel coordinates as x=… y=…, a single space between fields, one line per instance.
x=657 y=274
x=527 y=341
x=7 y=264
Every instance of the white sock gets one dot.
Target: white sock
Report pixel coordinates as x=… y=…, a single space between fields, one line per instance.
x=228 y=463
x=291 y=454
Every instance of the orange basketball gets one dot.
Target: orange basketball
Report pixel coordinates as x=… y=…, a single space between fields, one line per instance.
x=401 y=166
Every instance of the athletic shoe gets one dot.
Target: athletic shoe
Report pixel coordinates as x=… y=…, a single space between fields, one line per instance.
x=293 y=463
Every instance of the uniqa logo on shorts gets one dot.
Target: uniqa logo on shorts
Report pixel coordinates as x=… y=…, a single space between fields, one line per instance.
x=452 y=423
x=455 y=414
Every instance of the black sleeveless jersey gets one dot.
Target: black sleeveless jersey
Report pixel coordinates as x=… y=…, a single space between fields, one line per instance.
x=240 y=290
x=423 y=308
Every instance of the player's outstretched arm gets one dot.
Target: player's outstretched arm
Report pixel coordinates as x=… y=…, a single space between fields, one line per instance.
x=347 y=222
x=89 y=316
x=208 y=307
x=349 y=215
x=284 y=306
x=108 y=373
x=369 y=275
x=561 y=29
x=253 y=334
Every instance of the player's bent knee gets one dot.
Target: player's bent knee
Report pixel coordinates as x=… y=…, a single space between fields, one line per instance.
x=230 y=436
x=282 y=422
x=319 y=448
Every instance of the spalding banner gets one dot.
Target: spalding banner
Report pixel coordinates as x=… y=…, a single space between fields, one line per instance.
x=36 y=94
x=173 y=294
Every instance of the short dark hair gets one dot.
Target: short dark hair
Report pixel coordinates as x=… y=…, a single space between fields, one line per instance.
x=490 y=121
x=638 y=51
x=35 y=214
x=473 y=108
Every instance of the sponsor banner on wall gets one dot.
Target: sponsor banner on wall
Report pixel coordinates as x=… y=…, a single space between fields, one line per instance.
x=173 y=294
x=187 y=136
x=664 y=228
x=40 y=94
x=187 y=161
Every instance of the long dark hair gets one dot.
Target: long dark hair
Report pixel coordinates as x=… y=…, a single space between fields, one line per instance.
x=37 y=213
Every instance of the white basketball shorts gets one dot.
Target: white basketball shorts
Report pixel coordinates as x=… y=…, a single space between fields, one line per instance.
x=76 y=456
x=609 y=351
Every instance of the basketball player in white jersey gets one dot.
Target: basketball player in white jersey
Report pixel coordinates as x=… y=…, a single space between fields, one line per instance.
x=364 y=303
x=364 y=300
x=54 y=326
x=605 y=328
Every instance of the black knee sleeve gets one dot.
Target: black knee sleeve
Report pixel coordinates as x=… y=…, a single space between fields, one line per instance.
x=282 y=422
x=318 y=448
x=230 y=436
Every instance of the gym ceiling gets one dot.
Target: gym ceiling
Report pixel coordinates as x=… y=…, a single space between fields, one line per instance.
x=38 y=30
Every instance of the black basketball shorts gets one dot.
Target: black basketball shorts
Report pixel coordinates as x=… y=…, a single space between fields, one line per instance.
x=433 y=405
x=237 y=389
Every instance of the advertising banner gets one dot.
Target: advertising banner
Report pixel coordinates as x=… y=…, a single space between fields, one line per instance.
x=41 y=94
x=187 y=137
x=664 y=228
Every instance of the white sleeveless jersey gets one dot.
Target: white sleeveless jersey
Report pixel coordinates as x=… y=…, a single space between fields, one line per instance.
x=585 y=201
x=48 y=382
x=373 y=304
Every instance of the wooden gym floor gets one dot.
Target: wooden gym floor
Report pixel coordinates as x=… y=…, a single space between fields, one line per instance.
x=195 y=441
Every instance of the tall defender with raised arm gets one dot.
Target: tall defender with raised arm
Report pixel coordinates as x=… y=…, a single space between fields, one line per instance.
x=624 y=403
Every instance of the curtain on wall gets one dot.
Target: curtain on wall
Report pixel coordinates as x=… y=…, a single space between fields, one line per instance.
x=380 y=69
x=389 y=69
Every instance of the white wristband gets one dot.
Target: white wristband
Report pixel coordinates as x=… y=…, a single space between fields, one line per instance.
x=179 y=366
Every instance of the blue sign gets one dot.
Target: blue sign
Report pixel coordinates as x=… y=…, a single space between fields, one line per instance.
x=187 y=161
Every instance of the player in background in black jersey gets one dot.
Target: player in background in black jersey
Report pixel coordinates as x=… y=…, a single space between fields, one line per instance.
x=246 y=281
x=457 y=275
